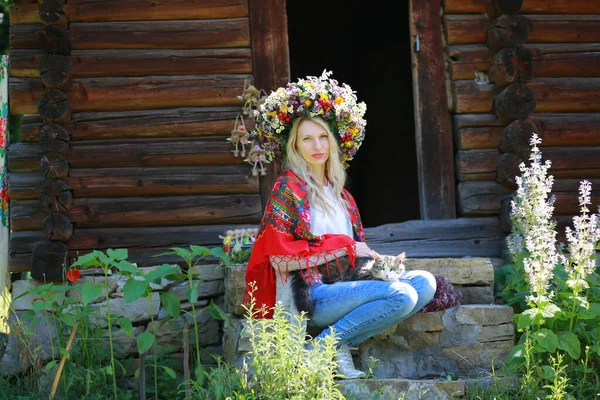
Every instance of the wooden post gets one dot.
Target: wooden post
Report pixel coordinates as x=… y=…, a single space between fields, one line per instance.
x=271 y=60
x=433 y=124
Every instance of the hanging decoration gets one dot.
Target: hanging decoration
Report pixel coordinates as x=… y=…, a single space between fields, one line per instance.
x=239 y=136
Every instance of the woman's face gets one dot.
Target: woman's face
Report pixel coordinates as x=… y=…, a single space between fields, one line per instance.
x=313 y=143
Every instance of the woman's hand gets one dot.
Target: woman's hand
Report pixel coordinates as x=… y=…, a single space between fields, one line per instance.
x=362 y=250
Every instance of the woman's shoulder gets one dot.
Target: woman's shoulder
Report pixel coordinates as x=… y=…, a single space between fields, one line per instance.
x=346 y=195
x=289 y=178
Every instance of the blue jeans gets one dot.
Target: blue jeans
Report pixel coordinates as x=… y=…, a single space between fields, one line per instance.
x=359 y=310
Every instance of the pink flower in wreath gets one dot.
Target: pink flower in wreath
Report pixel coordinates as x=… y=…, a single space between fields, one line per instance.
x=2 y=124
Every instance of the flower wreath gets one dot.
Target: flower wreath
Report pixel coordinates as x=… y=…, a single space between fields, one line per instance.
x=311 y=97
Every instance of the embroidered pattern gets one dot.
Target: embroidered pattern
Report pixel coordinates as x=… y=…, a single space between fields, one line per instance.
x=3 y=140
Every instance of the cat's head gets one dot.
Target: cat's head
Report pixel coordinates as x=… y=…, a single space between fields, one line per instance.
x=399 y=259
x=388 y=268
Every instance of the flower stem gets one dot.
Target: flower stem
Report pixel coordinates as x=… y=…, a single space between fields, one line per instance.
x=110 y=339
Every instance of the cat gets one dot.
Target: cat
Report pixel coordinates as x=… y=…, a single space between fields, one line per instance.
x=378 y=267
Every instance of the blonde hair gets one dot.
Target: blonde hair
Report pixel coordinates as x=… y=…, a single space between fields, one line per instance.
x=334 y=170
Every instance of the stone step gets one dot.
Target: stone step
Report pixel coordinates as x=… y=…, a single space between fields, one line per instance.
x=464 y=341
x=394 y=389
x=473 y=277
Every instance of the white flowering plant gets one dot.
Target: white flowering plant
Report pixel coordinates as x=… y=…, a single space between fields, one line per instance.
x=554 y=288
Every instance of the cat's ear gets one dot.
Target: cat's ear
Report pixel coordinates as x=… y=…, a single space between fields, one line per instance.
x=375 y=254
x=400 y=257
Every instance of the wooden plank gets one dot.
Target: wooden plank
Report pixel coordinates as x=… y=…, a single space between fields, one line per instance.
x=134 y=10
x=549 y=60
x=195 y=34
x=550 y=94
x=461 y=237
x=433 y=124
x=554 y=130
x=476 y=164
x=145 y=211
x=174 y=122
x=137 y=153
x=529 y=6
x=106 y=238
x=124 y=94
x=472 y=28
x=124 y=182
x=271 y=61
x=473 y=120
x=88 y=63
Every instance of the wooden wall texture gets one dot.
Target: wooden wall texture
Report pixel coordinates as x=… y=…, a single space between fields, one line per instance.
x=543 y=61
x=127 y=107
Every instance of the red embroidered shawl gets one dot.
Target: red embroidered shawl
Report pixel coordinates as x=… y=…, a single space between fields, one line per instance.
x=285 y=231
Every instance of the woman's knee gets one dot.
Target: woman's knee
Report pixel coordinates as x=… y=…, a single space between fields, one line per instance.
x=425 y=284
x=403 y=295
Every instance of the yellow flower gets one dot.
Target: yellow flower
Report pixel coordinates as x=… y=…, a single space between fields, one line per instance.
x=338 y=100
x=307 y=103
x=284 y=108
x=324 y=96
x=271 y=113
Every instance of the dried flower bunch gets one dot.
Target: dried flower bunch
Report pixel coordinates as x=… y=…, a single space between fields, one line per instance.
x=311 y=97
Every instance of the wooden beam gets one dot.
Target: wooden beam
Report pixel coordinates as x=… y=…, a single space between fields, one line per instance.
x=478 y=165
x=173 y=122
x=125 y=182
x=271 y=60
x=88 y=63
x=134 y=10
x=124 y=94
x=433 y=122
x=136 y=153
x=28 y=215
x=196 y=34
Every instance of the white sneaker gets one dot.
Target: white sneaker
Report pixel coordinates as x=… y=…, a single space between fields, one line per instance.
x=346 y=364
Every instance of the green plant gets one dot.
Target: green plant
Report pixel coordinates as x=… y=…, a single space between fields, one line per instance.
x=240 y=256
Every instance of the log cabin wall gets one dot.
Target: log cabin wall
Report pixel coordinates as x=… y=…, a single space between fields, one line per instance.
x=542 y=61
x=127 y=107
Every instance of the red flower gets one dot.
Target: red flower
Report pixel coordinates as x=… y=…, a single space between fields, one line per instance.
x=73 y=275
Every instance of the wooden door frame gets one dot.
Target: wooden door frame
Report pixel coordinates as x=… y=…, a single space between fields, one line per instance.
x=433 y=121
x=270 y=60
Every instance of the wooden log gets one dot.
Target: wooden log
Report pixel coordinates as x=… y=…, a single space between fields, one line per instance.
x=486 y=137
x=481 y=198
x=548 y=60
x=465 y=28
x=529 y=6
x=166 y=236
x=472 y=28
x=142 y=10
x=53 y=165
x=567 y=162
x=125 y=182
x=550 y=94
x=505 y=211
x=56 y=196
x=565 y=28
x=511 y=65
x=197 y=34
x=54 y=138
x=476 y=164
x=507 y=31
x=178 y=122
x=475 y=131
x=49 y=261
x=515 y=102
x=52 y=39
x=88 y=63
x=507 y=6
x=145 y=211
x=57 y=227
x=125 y=94
x=54 y=70
x=516 y=136
x=485 y=198
x=52 y=12
x=53 y=106
x=139 y=153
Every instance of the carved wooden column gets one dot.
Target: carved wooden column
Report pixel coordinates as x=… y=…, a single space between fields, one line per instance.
x=50 y=257
x=511 y=69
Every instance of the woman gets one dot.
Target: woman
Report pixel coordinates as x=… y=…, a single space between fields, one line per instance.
x=310 y=218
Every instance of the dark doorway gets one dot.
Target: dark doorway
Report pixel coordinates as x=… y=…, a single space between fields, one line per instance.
x=368 y=47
